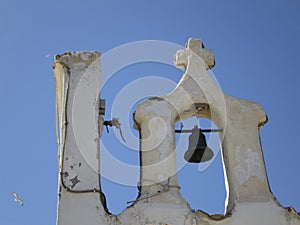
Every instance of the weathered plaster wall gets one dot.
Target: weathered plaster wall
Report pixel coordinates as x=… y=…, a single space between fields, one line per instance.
x=77 y=77
x=250 y=200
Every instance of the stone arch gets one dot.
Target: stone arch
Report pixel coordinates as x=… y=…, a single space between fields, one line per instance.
x=198 y=94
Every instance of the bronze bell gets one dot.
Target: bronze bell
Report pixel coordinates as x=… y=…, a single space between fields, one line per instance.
x=198 y=151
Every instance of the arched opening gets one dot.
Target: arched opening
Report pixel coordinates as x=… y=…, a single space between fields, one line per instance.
x=120 y=161
x=202 y=184
x=119 y=168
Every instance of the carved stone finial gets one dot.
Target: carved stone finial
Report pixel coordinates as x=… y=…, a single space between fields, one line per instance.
x=196 y=46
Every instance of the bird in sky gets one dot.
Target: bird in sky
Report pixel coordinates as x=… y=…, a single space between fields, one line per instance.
x=18 y=199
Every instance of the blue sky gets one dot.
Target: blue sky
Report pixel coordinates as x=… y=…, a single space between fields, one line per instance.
x=256 y=46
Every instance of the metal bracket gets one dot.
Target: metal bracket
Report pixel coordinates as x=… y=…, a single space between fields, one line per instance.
x=114 y=123
x=102 y=107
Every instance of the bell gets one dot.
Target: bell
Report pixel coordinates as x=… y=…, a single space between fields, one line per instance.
x=198 y=151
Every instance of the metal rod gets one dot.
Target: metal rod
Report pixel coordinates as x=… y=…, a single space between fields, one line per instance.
x=201 y=130
x=211 y=130
x=183 y=131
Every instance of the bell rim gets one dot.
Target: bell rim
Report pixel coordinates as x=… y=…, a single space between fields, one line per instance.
x=189 y=157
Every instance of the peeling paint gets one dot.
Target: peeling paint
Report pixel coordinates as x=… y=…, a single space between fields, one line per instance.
x=249 y=165
x=74 y=181
x=66 y=174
